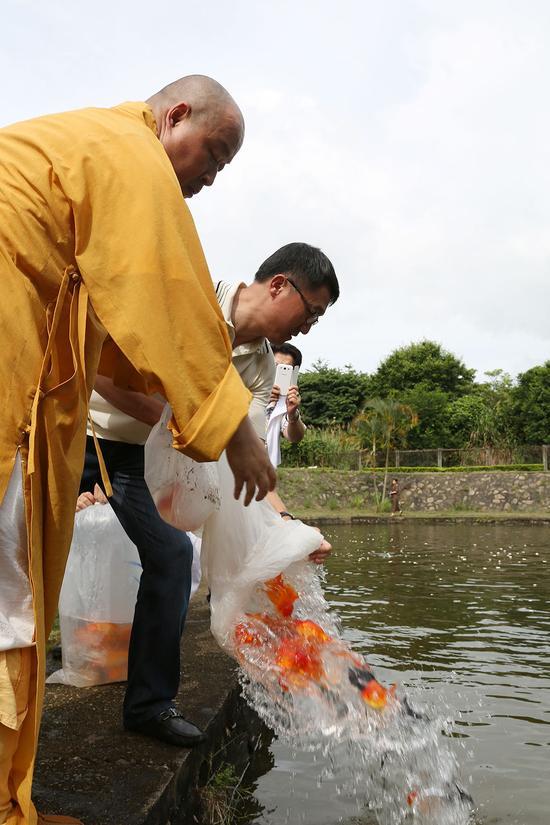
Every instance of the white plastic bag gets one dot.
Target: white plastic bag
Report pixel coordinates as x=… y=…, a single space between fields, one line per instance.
x=97 y=600
x=196 y=543
x=243 y=547
x=273 y=434
x=16 y=605
x=184 y=491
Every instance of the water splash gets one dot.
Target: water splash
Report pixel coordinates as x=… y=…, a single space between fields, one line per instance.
x=316 y=693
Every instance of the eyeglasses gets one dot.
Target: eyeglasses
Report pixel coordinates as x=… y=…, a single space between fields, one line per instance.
x=313 y=314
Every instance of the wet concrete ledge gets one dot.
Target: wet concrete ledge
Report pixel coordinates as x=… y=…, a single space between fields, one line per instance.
x=89 y=767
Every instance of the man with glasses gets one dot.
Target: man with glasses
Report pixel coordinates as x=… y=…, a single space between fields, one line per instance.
x=291 y=292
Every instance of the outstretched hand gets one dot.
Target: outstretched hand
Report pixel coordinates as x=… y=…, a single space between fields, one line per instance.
x=323 y=551
x=250 y=464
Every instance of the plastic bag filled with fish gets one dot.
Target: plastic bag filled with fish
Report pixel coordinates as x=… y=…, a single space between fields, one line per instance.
x=300 y=674
x=184 y=491
x=97 y=600
x=269 y=612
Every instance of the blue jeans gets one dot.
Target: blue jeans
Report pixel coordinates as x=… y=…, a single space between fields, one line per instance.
x=166 y=555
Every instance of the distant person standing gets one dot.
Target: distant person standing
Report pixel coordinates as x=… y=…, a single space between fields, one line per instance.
x=394 y=497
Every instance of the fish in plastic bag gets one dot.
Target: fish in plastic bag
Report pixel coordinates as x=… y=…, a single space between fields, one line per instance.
x=97 y=600
x=185 y=491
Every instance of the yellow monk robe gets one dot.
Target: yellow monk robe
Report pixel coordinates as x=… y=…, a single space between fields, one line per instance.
x=96 y=245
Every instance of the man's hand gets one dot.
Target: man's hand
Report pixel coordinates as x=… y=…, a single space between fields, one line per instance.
x=295 y=429
x=250 y=463
x=323 y=551
x=87 y=499
x=84 y=500
x=275 y=393
x=293 y=402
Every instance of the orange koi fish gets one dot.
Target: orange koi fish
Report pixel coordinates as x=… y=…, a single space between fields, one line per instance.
x=299 y=662
x=311 y=631
x=297 y=654
x=373 y=693
x=281 y=595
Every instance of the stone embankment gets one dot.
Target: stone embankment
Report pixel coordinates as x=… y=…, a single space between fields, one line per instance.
x=332 y=490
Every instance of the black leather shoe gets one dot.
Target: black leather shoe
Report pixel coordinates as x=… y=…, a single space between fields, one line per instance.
x=170 y=726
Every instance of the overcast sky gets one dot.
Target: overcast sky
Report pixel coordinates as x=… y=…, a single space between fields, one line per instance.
x=409 y=139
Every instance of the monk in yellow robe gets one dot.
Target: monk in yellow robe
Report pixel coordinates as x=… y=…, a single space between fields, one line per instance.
x=100 y=269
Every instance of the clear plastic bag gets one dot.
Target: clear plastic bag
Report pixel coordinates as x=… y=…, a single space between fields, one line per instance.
x=196 y=573
x=16 y=606
x=97 y=600
x=243 y=547
x=185 y=491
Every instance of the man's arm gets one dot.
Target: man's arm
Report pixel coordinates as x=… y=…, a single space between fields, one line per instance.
x=142 y=407
x=295 y=429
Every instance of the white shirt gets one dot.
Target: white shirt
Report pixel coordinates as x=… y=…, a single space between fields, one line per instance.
x=254 y=361
x=114 y=425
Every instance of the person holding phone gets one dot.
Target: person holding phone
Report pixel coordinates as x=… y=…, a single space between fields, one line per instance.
x=292 y=426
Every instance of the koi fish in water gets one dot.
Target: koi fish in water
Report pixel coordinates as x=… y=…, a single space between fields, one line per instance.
x=294 y=649
x=281 y=594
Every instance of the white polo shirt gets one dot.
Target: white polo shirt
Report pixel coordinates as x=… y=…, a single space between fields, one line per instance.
x=254 y=361
x=114 y=425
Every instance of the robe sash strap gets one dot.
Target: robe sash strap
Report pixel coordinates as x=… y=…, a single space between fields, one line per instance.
x=78 y=314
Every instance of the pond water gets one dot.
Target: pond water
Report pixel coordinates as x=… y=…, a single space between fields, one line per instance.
x=459 y=615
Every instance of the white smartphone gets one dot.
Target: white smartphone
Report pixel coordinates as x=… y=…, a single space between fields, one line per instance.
x=283 y=377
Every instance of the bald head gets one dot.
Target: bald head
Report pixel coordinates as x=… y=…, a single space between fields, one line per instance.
x=200 y=126
x=204 y=94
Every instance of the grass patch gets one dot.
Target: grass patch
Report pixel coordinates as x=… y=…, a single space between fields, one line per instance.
x=222 y=797
x=54 y=638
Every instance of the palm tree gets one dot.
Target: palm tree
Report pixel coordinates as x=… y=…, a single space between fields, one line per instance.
x=381 y=423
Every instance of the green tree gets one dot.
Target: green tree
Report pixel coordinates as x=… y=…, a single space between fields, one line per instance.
x=495 y=424
x=426 y=363
x=431 y=405
x=469 y=421
x=381 y=424
x=332 y=396
x=531 y=405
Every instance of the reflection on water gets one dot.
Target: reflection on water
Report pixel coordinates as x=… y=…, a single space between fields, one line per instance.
x=459 y=614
